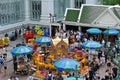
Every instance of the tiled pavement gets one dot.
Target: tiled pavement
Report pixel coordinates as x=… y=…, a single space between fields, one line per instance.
x=10 y=73
x=10 y=63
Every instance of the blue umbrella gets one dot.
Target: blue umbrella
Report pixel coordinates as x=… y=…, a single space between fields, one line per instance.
x=67 y=64
x=73 y=78
x=22 y=50
x=43 y=40
x=117 y=77
x=111 y=32
x=94 y=31
x=91 y=45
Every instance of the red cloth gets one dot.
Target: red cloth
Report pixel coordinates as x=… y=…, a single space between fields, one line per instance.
x=69 y=56
x=28 y=35
x=35 y=47
x=31 y=35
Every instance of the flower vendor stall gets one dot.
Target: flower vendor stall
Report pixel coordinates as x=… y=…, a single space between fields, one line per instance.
x=28 y=35
x=1 y=42
x=4 y=42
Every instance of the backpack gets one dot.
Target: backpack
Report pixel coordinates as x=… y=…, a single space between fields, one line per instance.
x=1 y=62
x=49 y=76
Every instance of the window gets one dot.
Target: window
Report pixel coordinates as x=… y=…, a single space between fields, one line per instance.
x=78 y=3
x=11 y=11
x=60 y=7
x=35 y=9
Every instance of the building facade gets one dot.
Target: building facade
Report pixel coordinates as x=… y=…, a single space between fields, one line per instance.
x=14 y=13
x=101 y=16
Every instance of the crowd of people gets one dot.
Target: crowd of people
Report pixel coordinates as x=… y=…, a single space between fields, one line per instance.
x=98 y=58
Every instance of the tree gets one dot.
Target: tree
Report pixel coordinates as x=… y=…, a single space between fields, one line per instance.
x=110 y=2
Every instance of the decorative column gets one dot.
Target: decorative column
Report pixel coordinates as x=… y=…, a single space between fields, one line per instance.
x=27 y=8
x=23 y=27
x=64 y=26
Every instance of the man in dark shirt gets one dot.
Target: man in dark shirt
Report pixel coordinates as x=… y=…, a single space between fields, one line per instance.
x=92 y=73
x=6 y=34
x=99 y=54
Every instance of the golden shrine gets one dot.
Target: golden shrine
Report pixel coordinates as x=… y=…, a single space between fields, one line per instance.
x=59 y=47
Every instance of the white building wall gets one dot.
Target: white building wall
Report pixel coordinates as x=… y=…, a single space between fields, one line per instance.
x=91 y=1
x=47 y=8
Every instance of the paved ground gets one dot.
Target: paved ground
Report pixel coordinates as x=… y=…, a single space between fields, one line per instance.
x=10 y=73
x=10 y=63
x=10 y=47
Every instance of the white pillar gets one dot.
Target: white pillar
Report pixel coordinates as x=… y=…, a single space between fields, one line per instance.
x=72 y=3
x=59 y=27
x=50 y=30
x=27 y=12
x=79 y=27
x=47 y=8
x=64 y=27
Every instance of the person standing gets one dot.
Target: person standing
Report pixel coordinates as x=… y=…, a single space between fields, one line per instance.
x=114 y=70
x=106 y=75
x=106 y=55
x=50 y=76
x=103 y=42
x=99 y=54
x=110 y=76
x=1 y=63
x=6 y=34
x=5 y=65
x=29 y=57
x=91 y=74
x=20 y=32
x=16 y=34
x=15 y=65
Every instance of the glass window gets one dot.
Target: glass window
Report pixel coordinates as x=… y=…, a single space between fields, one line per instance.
x=60 y=7
x=0 y=18
x=78 y=3
x=35 y=9
x=11 y=11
